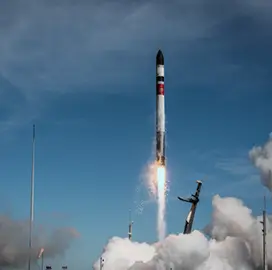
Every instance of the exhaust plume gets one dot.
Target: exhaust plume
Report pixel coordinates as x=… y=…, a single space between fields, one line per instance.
x=232 y=239
x=235 y=243
x=261 y=156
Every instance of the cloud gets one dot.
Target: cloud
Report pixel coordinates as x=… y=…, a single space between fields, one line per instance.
x=57 y=47
x=240 y=173
x=235 y=166
x=49 y=48
x=232 y=169
x=14 y=242
x=236 y=241
x=261 y=157
x=67 y=45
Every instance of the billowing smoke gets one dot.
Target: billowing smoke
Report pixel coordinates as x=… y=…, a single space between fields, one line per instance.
x=235 y=243
x=231 y=241
x=261 y=157
x=14 y=243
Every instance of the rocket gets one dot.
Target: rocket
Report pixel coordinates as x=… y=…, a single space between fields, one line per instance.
x=160 y=110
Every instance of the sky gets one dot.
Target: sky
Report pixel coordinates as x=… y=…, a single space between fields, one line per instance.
x=84 y=73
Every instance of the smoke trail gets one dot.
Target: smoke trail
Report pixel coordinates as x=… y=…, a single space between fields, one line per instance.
x=161 y=226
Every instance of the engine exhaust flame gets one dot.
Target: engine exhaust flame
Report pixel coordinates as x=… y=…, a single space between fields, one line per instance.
x=158 y=187
x=161 y=194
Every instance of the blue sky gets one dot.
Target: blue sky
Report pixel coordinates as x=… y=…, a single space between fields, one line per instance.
x=84 y=73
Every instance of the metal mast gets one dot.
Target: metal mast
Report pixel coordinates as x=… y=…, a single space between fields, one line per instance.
x=101 y=263
x=130 y=226
x=263 y=222
x=31 y=219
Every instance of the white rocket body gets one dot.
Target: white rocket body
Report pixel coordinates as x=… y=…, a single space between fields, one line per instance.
x=160 y=110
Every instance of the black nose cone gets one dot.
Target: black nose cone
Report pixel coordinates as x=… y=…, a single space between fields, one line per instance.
x=159 y=58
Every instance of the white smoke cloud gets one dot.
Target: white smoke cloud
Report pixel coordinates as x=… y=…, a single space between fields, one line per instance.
x=235 y=244
x=261 y=157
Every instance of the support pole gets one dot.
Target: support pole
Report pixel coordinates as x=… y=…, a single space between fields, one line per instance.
x=31 y=219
